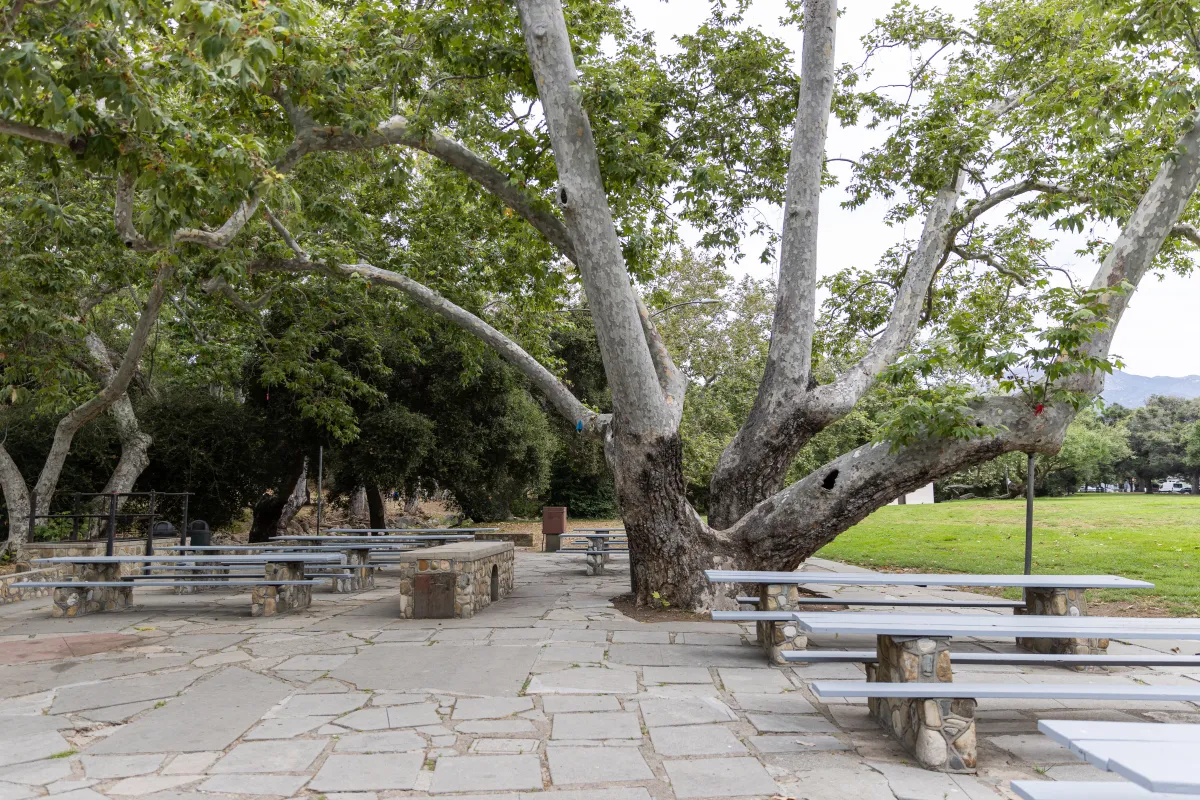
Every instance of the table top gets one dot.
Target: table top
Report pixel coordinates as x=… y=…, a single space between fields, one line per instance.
x=317 y=558
x=410 y=530
x=997 y=625
x=315 y=547
x=911 y=579
x=584 y=531
x=597 y=536
x=1159 y=757
x=376 y=539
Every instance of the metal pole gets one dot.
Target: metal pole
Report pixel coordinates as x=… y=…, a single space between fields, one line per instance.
x=150 y=530
x=183 y=533
x=75 y=516
x=1029 y=478
x=110 y=546
x=320 y=483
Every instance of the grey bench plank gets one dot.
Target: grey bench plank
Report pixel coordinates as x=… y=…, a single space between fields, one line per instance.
x=1064 y=731
x=1156 y=766
x=1014 y=659
x=1083 y=790
x=910 y=579
x=1004 y=691
x=782 y=616
x=132 y=585
x=997 y=625
x=316 y=558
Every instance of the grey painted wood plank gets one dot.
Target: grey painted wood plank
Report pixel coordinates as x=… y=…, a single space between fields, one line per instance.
x=145 y=584
x=404 y=530
x=1064 y=731
x=1057 y=691
x=282 y=558
x=1155 y=766
x=1015 y=659
x=996 y=625
x=1084 y=790
x=910 y=579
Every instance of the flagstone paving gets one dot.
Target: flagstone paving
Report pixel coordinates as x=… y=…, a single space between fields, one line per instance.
x=549 y=695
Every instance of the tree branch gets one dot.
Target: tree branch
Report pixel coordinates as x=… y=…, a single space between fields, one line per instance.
x=559 y=395
x=639 y=408
x=84 y=413
x=986 y=258
x=789 y=358
x=672 y=381
x=1187 y=231
x=22 y=131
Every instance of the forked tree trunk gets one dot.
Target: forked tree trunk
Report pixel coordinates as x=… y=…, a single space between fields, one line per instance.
x=375 y=507
x=269 y=510
x=358 y=504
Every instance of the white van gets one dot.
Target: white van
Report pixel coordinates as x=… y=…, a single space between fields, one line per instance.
x=1174 y=486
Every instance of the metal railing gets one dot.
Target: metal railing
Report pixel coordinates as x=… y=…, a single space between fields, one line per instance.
x=151 y=515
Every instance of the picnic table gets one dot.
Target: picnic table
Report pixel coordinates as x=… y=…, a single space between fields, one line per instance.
x=910 y=690
x=356 y=574
x=1157 y=757
x=387 y=531
x=98 y=584
x=599 y=547
x=1045 y=595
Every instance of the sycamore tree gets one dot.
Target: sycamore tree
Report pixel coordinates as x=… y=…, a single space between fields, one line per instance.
x=284 y=135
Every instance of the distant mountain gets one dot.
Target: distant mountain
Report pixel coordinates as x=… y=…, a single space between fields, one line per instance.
x=1132 y=391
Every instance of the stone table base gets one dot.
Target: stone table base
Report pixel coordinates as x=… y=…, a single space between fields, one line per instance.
x=940 y=732
x=357 y=578
x=777 y=638
x=1059 y=603
x=76 y=602
x=267 y=600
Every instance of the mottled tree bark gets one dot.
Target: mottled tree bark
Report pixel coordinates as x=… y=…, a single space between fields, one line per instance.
x=375 y=507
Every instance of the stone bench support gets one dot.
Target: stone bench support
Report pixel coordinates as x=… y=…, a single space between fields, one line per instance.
x=777 y=638
x=940 y=732
x=72 y=602
x=268 y=600
x=1059 y=603
x=358 y=577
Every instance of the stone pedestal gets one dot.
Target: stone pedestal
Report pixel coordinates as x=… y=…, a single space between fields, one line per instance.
x=1059 y=603
x=75 y=602
x=477 y=573
x=357 y=577
x=267 y=600
x=940 y=732
x=777 y=638
x=595 y=564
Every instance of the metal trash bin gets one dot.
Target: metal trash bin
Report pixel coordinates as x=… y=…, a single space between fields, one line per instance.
x=199 y=534
x=554 y=525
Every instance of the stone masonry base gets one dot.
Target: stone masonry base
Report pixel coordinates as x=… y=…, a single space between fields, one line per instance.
x=72 y=602
x=267 y=601
x=940 y=732
x=1059 y=603
x=777 y=638
x=472 y=563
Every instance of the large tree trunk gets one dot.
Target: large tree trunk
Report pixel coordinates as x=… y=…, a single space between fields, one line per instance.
x=358 y=504
x=16 y=499
x=296 y=500
x=375 y=506
x=669 y=545
x=269 y=510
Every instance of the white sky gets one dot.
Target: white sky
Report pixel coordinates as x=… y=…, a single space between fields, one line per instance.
x=1154 y=336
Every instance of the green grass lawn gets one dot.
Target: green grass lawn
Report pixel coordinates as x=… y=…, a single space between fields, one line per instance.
x=1150 y=537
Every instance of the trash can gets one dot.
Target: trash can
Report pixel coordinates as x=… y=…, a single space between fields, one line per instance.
x=554 y=525
x=199 y=534
x=163 y=530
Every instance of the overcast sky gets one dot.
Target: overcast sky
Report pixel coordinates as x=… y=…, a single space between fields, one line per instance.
x=1164 y=316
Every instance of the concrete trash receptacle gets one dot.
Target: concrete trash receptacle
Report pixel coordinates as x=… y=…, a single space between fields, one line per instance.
x=554 y=525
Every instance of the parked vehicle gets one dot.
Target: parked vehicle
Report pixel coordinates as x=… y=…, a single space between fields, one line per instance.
x=1174 y=486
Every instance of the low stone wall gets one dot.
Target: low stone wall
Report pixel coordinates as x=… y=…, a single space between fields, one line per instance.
x=11 y=594
x=474 y=573
x=518 y=538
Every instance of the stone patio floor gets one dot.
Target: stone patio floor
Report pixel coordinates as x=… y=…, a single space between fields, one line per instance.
x=550 y=693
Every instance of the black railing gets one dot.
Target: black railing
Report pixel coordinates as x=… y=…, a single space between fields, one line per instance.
x=153 y=516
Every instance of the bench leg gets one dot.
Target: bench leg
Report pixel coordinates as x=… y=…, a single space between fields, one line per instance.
x=940 y=732
x=70 y=602
x=778 y=638
x=1059 y=603
x=267 y=601
x=357 y=578
x=595 y=564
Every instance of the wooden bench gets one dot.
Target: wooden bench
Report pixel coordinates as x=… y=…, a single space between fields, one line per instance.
x=99 y=585
x=1053 y=595
x=910 y=689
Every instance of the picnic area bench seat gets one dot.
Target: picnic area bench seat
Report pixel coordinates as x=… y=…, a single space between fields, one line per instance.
x=912 y=676
x=1088 y=790
x=600 y=545
x=1011 y=659
x=778 y=591
x=1159 y=758
x=100 y=586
